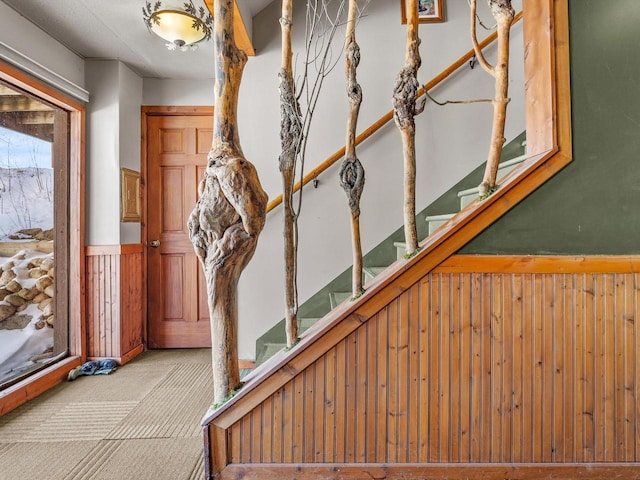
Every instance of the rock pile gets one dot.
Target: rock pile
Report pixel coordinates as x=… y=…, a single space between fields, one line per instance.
x=25 y=280
x=32 y=234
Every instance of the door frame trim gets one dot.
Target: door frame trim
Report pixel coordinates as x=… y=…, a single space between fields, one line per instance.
x=146 y=112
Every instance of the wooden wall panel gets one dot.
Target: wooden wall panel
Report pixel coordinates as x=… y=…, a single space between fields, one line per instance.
x=468 y=368
x=114 y=302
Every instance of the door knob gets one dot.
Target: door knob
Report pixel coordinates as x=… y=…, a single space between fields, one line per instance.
x=154 y=243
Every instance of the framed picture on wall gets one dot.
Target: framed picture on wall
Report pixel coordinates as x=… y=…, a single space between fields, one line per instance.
x=130 y=196
x=429 y=11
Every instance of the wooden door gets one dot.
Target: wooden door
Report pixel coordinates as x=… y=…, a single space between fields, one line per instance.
x=177 y=311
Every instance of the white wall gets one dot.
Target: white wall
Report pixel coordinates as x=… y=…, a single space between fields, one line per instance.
x=113 y=141
x=157 y=91
x=102 y=154
x=130 y=100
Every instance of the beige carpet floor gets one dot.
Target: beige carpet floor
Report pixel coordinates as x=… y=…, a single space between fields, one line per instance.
x=140 y=422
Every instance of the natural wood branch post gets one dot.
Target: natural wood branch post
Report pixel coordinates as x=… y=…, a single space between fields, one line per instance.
x=231 y=209
x=290 y=137
x=504 y=14
x=351 y=170
x=406 y=107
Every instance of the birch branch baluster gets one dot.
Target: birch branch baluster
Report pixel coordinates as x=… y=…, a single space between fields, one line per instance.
x=504 y=14
x=406 y=106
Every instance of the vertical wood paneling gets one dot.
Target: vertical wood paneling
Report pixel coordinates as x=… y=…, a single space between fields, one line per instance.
x=360 y=411
x=413 y=374
x=517 y=418
x=267 y=430
x=569 y=379
x=114 y=301
x=557 y=371
x=277 y=444
x=394 y=409
x=485 y=369
x=351 y=386
x=444 y=365
x=467 y=367
x=425 y=373
x=309 y=407
x=382 y=381
x=371 y=403
x=433 y=320
x=340 y=401
x=466 y=359
x=297 y=447
x=319 y=411
x=631 y=317
x=607 y=422
x=547 y=366
x=475 y=379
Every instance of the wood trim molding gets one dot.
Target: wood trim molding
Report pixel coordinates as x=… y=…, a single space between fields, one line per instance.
x=22 y=80
x=14 y=396
x=540 y=264
x=240 y=32
x=246 y=364
x=444 y=471
x=126 y=358
x=125 y=249
x=164 y=110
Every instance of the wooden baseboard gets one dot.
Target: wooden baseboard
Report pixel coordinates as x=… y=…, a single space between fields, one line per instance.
x=540 y=264
x=460 y=471
x=126 y=358
x=20 y=393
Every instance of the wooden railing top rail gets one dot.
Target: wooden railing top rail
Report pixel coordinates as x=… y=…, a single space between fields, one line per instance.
x=382 y=121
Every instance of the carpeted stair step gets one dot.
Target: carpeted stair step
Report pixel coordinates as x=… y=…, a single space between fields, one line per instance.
x=336 y=298
x=371 y=272
x=436 y=221
x=305 y=323
x=401 y=249
x=269 y=349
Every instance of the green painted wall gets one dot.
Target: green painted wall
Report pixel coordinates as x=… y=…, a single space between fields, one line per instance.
x=593 y=205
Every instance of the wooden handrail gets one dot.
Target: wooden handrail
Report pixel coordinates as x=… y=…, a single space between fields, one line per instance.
x=382 y=121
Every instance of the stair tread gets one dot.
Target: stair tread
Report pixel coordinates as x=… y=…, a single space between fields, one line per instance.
x=308 y=322
x=374 y=270
x=513 y=161
x=441 y=217
x=336 y=298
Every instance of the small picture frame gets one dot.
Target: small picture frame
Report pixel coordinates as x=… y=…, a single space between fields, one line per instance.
x=130 y=210
x=429 y=11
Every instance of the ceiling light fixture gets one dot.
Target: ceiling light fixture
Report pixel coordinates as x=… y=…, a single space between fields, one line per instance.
x=181 y=28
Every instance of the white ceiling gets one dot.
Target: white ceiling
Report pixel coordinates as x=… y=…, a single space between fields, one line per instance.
x=114 y=29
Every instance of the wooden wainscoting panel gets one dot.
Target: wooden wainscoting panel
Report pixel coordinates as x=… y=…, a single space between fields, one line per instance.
x=467 y=367
x=114 y=301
